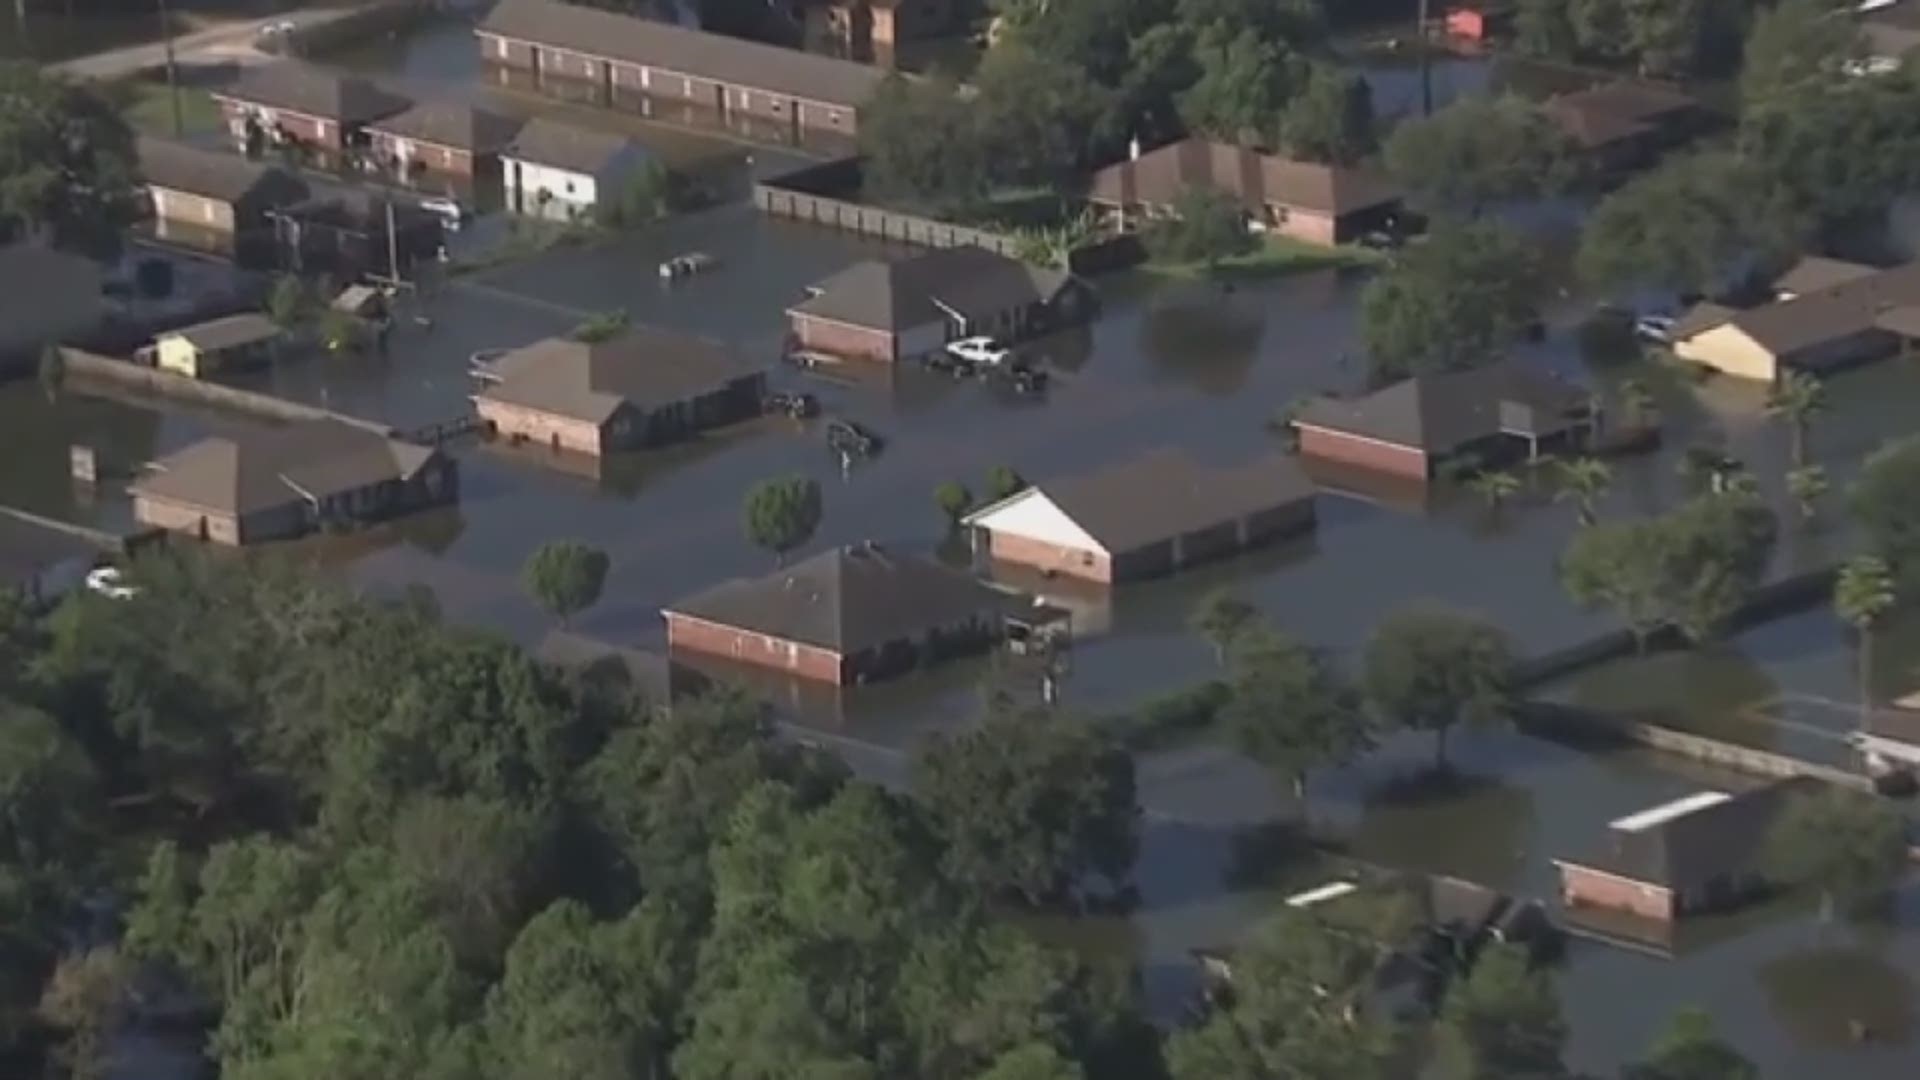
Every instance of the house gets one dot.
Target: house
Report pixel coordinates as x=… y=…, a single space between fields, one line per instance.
x=558 y=171
x=289 y=103
x=1320 y=204
x=443 y=139
x=1408 y=428
x=1890 y=33
x=845 y=616
x=1152 y=515
x=51 y=297
x=646 y=387
x=224 y=344
x=343 y=231
x=212 y=200
x=894 y=310
x=664 y=70
x=1695 y=853
x=284 y=482
x=1830 y=314
x=43 y=563
x=1889 y=741
x=1626 y=124
x=874 y=31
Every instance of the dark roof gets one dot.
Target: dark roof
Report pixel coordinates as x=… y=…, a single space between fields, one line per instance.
x=680 y=49
x=970 y=281
x=1899 y=723
x=1851 y=307
x=312 y=91
x=462 y=127
x=1441 y=413
x=29 y=549
x=849 y=599
x=1701 y=318
x=213 y=174
x=563 y=146
x=1162 y=495
x=1257 y=180
x=1814 y=273
x=1893 y=30
x=1615 y=111
x=228 y=332
x=645 y=365
x=1686 y=851
x=273 y=467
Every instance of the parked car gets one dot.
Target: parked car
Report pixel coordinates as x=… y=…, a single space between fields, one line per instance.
x=850 y=439
x=1028 y=380
x=949 y=364
x=979 y=350
x=1657 y=329
x=693 y=262
x=109 y=582
x=798 y=406
x=451 y=214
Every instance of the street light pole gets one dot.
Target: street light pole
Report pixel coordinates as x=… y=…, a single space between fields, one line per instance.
x=1426 y=69
x=173 y=76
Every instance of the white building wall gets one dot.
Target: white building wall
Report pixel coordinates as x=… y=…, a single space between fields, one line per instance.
x=572 y=192
x=1034 y=516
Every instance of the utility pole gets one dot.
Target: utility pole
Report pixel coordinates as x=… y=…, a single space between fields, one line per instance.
x=1426 y=68
x=173 y=75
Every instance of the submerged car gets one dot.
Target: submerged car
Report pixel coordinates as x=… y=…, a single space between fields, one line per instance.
x=109 y=582
x=852 y=440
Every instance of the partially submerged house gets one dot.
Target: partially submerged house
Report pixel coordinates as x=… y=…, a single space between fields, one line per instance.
x=1152 y=515
x=1408 y=428
x=1830 y=314
x=899 y=309
x=280 y=483
x=1320 y=204
x=443 y=139
x=213 y=200
x=289 y=103
x=1696 y=853
x=223 y=344
x=563 y=172
x=1627 y=124
x=646 y=387
x=343 y=231
x=848 y=615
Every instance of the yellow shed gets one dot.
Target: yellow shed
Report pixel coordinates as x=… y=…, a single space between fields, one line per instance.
x=204 y=348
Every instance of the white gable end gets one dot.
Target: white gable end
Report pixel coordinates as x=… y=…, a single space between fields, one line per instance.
x=1035 y=517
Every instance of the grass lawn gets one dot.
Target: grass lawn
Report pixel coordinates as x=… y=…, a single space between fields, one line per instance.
x=149 y=111
x=1275 y=257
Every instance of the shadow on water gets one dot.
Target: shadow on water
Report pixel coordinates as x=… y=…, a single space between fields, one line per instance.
x=1203 y=337
x=1839 y=995
x=1467 y=825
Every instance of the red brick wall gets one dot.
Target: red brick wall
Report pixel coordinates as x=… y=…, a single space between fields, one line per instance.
x=542 y=428
x=1073 y=562
x=806 y=661
x=1310 y=227
x=308 y=129
x=1366 y=453
x=839 y=339
x=1581 y=886
x=442 y=160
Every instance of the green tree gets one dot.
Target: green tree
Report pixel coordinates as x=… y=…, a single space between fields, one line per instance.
x=1881 y=500
x=1502 y=1021
x=1221 y=618
x=1206 y=228
x=1027 y=806
x=781 y=514
x=1543 y=28
x=1863 y=593
x=1848 y=845
x=1836 y=154
x=1290 y=711
x=921 y=144
x=1003 y=481
x=652 y=194
x=1623 y=566
x=565 y=577
x=86 y=1000
x=1690 y=1049
x=1796 y=399
x=67 y=158
x=1796 y=47
x=1495 y=487
x=1331 y=118
x=954 y=500
x=1584 y=482
x=1033 y=1061
x=1477 y=152
x=1719 y=546
x=1245 y=83
x=1037 y=117
x=1806 y=486
x=290 y=303
x=1429 y=670
x=1453 y=303
x=1689 y=226
x=604 y=326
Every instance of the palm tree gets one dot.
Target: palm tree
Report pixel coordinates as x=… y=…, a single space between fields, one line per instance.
x=1495 y=486
x=1585 y=481
x=1862 y=593
x=1806 y=485
x=1797 y=398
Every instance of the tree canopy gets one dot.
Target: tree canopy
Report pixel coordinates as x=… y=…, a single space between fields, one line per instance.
x=565 y=577
x=782 y=513
x=1430 y=669
x=1452 y=303
x=1477 y=152
x=1848 y=845
x=67 y=169
x=1503 y=1021
x=1693 y=225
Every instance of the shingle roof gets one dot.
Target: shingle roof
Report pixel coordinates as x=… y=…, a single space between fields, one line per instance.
x=229 y=332
x=1840 y=311
x=1164 y=494
x=1614 y=111
x=1159 y=176
x=1900 y=722
x=563 y=146
x=1440 y=413
x=971 y=281
x=271 y=468
x=211 y=173
x=690 y=52
x=848 y=599
x=442 y=123
x=646 y=366
x=1687 y=851
x=1814 y=273
x=312 y=91
x=1701 y=318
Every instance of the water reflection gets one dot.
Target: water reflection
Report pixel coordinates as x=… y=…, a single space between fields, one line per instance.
x=1840 y=995
x=1714 y=690
x=1203 y=337
x=1471 y=826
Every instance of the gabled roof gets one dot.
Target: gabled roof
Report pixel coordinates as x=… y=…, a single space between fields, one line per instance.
x=211 y=173
x=1161 y=495
x=680 y=49
x=1814 y=273
x=229 y=332
x=311 y=91
x=462 y=127
x=645 y=366
x=1440 y=413
x=1690 y=842
x=847 y=600
x=1851 y=307
x=266 y=469
x=563 y=146
x=1159 y=176
x=968 y=281
x=1701 y=318
x=1614 y=111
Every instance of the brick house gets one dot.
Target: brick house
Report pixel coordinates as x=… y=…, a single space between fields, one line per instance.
x=285 y=482
x=1626 y=125
x=212 y=200
x=644 y=388
x=442 y=139
x=905 y=308
x=1408 y=428
x=291 y=103
x=1319 y=204
x=1103 y=526
x=674 y=72
x=1697 y=853
x=846 y=616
